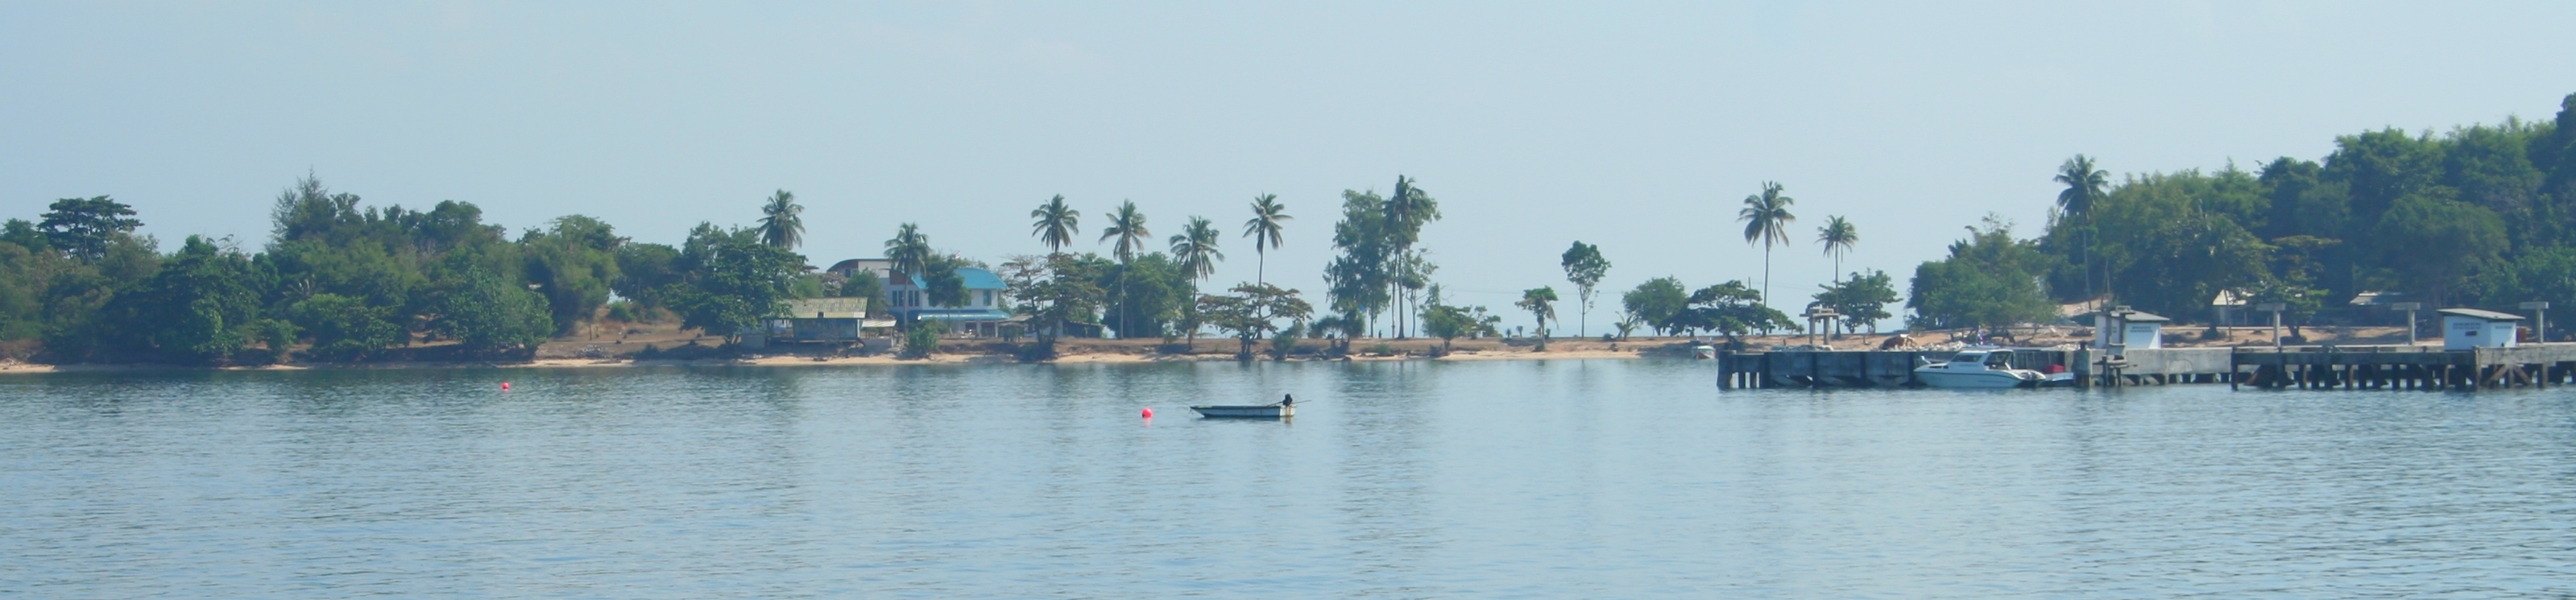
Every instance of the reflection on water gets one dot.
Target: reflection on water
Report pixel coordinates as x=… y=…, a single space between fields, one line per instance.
x=1495 y=479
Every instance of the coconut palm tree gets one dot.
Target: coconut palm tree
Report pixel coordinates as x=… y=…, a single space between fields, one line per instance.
x=782 y=225
x=1267 y=213
x=2084 y=187
x=1128 y=227
x=1195 y=249
x=1837 y=235
x=1766 y=219
x=1056 y=224
x=909 y=250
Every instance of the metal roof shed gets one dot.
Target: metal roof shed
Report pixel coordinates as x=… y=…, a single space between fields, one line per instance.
x=2465 y=328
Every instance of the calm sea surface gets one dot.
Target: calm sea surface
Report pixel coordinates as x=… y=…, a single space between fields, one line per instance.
x=1560 y=479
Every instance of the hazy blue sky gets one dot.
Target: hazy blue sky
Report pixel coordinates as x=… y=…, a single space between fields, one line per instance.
x=1639 y=127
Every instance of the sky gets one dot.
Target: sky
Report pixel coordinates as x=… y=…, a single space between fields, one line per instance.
x=1638 y=127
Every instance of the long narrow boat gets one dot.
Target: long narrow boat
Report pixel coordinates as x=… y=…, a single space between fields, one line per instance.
x=1263 y=411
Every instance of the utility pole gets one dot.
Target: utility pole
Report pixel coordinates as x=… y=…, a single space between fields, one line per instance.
x=2410 y=308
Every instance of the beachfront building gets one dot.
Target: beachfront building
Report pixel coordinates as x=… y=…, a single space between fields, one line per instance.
x=823 y=320
x=982 y=315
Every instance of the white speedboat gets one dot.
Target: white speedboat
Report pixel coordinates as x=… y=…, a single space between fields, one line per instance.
x=1978 y=369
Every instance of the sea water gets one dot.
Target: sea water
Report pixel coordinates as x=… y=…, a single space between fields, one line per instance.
x=1502 y=479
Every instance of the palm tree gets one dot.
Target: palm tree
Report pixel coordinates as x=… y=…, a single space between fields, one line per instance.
x=1267 y=213
x=909 y=250
x=1195 y=249
x=1128 y=226
x=1766 y=219
x=1407 y=210
x=2084 y=187
x=1056 y=224
x=780 y=225
x=1837 y=235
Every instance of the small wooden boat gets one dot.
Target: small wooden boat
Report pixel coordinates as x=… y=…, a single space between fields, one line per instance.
x=1262 y=411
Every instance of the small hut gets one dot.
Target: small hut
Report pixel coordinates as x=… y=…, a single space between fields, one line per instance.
x=2129 y=329
x=2465 y=328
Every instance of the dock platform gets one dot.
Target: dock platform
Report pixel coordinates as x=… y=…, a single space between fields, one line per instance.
x=2300 y=367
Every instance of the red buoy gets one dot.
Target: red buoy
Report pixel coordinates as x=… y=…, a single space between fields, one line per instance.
x=505 y=386
x=1149 y=412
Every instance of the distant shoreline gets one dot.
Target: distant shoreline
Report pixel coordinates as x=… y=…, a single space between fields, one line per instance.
x=805 y=361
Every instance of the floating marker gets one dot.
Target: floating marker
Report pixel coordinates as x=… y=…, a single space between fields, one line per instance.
x=1149 y=412
x=505 y=386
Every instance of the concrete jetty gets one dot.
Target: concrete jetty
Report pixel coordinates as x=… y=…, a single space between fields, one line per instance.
x=2300 y=367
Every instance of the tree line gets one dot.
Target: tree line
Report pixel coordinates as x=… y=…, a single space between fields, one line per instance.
x=348 y=282
x=2480 y=215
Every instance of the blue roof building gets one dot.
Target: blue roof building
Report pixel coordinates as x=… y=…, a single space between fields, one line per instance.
x=984 y=314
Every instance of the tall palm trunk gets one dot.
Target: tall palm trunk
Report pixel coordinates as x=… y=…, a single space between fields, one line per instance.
x=1766 y=272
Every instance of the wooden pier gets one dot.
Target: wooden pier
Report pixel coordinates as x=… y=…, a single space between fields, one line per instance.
x=2300 y=367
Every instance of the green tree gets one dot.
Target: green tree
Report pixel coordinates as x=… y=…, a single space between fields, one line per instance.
x=1195 y=249
x=1252 y=311
x=199 y=307
x=576 y=265
x=782 y=224
x=1358 y=281
x=1056 y=224
x=2085 y=184
x=344 y=329
x=1655 y=302
x=1837 y=236
x=865 y=284
x=644 y=270
x=920 y=341
x=909 y=250
x=1268 y=218
x=1452 y=322
x=732 y=281
x=84 y=226
x=1541 y=304
x=2379 y=167
x=1766 y=220
x=2434 y=244
x=489 y=313
x=1151 y=290
x=941 y=284
x=1407 y=211
x=1988 y=280
x=1128 y=227
x=1057 y=292
x=1732 y=309
x=1584 y=267
x=1862 y=300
